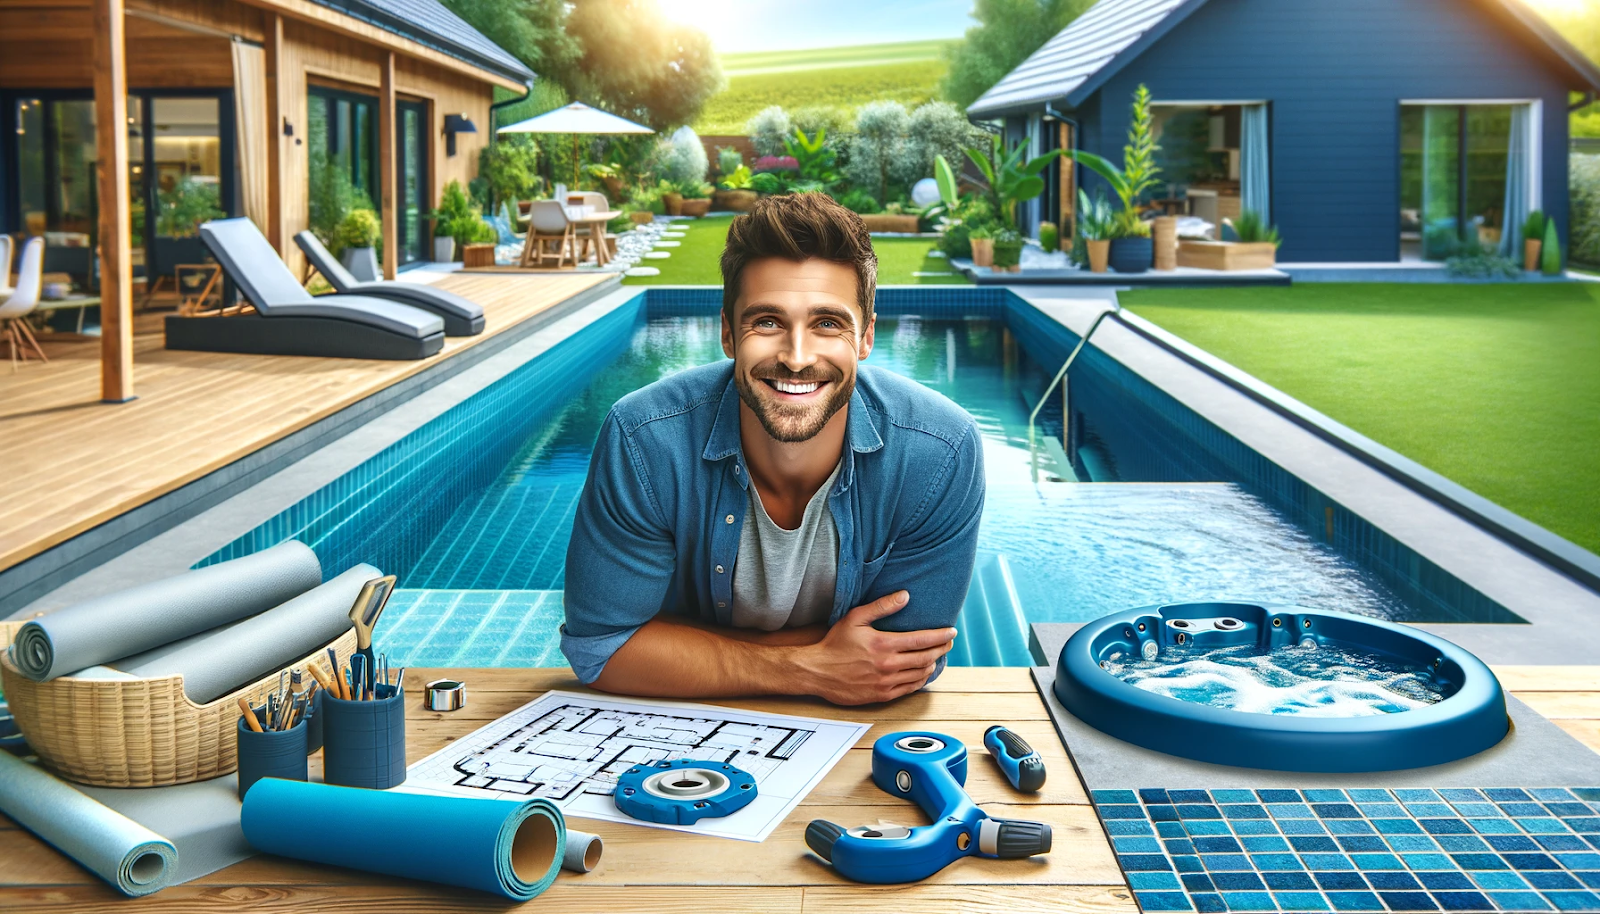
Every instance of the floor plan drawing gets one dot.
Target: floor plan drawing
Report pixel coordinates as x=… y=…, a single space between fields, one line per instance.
x=569 y=748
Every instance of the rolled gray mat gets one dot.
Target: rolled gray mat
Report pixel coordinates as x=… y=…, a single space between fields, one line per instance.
x=583 y=852
x=217 y=662
x=116 y=625
x=109 y=844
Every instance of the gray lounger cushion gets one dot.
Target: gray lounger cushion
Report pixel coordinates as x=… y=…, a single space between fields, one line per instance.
x=291 y=321
x=462 y=317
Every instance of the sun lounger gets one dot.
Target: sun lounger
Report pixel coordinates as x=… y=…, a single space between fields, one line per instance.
x=291 y=321
x=462 y=317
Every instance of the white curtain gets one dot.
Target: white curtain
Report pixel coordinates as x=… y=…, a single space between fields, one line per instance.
x=1519 y=179
x=1255 y=176
x=250 y=114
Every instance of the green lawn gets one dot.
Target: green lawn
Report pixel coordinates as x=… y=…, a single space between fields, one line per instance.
x=907 y=72
x=696 y=261
x=1495 y=386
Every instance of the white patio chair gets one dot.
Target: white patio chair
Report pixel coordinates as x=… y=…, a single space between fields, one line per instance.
x=548 y=224
x=7 y=249
x=21 y=302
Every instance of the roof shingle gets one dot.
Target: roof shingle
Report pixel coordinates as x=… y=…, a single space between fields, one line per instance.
x=429 y=23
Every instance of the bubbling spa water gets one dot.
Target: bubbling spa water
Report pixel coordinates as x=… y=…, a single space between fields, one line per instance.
x=1304 y=681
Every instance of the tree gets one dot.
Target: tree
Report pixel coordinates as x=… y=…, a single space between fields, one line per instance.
x=639 y=64
x=1006 y=33
x=937 y=128
x=879 y=145
x=532 y=31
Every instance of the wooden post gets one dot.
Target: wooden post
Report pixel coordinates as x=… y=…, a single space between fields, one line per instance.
x=386 y=169
x=273 y=46
x=116 y=270
x=1068 y=218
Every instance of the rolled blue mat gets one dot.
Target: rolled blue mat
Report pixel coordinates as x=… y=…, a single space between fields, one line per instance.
x=513 y=849
x=109 y=844
x=150 y=615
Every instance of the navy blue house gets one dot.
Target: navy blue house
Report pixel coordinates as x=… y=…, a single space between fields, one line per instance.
x=1367 y=130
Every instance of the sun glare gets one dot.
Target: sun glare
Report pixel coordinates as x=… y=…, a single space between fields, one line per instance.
x=1562 y=6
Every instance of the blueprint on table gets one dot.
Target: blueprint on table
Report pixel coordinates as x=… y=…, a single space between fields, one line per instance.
x=569 y=748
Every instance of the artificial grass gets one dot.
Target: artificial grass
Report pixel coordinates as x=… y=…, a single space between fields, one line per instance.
x=1495 y=386
x=696 y=260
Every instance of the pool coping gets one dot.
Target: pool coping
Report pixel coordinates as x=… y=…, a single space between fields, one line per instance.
x=1277 y=427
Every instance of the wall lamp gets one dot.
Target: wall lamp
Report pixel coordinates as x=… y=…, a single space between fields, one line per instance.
x=454 y=124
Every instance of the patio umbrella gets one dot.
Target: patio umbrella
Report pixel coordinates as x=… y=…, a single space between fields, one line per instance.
x=576 y=118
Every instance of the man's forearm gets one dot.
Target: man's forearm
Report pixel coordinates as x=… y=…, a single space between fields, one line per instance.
x=670 y=659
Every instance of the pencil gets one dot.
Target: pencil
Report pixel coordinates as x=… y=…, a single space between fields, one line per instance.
x=250 y=716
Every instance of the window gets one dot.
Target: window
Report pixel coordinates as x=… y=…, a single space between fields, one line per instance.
x=1452 y=178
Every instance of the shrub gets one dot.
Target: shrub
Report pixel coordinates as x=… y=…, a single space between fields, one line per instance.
x=681 y=158
x=879 y=146
x=1250 y=228
x=833 y=121
x=457 y=218
x=971 y=214
x=775 y=163
x=859 y=201
x=1550 y=251
x=693 y=190
x=359 y=228
x=1474 y=261
x=509 y=167
x=729 y=160
x=768 y=130
x=738 y=179
x=331 y=195
x=934 y=129
x=1049 y=236
x=1533 y=226
x=1585 y=225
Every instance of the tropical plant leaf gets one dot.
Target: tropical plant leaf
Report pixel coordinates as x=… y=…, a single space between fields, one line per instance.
x=1104 y=169
x=946 y=178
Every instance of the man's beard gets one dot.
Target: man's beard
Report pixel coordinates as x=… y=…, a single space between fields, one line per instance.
x=793 y=423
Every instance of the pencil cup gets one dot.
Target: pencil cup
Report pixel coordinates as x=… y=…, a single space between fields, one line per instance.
x=314 y=724
x=364 y=742
x=273 y=754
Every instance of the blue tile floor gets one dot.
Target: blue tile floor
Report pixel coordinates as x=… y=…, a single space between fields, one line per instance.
x=472 y=628
x=1505 y=849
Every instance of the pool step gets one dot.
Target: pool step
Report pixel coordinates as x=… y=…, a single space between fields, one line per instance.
x=992 y=629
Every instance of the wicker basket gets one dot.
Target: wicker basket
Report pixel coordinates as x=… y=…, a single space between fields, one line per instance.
x=132 y=733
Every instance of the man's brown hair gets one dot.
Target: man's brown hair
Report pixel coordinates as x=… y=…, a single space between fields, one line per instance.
x=799 y=227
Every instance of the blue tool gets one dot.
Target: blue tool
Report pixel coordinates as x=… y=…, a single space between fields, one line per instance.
x=1021 y=765
x=928 y=769
x=364 y=615
x=683 y=791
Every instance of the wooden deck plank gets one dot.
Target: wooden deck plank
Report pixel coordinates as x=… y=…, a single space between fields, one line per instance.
x=196 y=412
x=957 y=900
x=1548 y=678
x=1563 y=705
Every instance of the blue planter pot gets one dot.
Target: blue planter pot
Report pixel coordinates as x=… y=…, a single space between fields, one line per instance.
x=1131 y=255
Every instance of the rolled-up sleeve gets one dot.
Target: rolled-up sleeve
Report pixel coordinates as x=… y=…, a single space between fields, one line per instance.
x=620 y=559
x=932 y=558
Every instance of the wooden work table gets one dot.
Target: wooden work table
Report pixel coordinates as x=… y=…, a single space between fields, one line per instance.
x=655 y=870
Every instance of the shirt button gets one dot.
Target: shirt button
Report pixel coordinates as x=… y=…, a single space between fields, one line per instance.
x=728 y=519
x=736 y=469
x=719 y=569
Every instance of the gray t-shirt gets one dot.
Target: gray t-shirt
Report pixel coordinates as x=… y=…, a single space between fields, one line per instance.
x=785 y=578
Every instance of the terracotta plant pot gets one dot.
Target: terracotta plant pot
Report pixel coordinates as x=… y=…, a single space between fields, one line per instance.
x=1531 y=249
x=673 y=203
x=641 y=217
x=1164 y=235
x=738 y=201
x=1099 y=255
x=983 y=252
x=695 y=208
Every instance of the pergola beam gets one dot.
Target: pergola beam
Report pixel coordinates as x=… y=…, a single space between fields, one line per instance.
x=116 y=269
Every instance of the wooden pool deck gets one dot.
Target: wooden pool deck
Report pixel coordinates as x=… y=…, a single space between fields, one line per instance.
x=69 y=461
x=650 y=870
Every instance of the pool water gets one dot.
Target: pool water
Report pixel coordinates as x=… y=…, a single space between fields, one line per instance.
x=1301 y=681
x=1076 y=551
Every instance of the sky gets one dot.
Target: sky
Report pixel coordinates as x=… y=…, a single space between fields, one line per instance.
x=773 y=25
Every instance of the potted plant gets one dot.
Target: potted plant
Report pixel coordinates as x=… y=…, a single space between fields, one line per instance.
x=1094 y=225
x=982 y=241
x=1007 y=250
x=448 y=221
x=181 y=210
x=1255 y=246
x=1532 y=239
x=444 y=245
x=696 y=198
x=672 y=200
x=1130 y=244
x=1049 y=237
x=357 y=240
x=1550 y=250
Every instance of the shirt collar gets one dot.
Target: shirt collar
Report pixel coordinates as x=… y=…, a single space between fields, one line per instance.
x=861 y=433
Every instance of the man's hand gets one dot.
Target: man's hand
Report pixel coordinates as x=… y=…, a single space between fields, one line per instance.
x=855 y=664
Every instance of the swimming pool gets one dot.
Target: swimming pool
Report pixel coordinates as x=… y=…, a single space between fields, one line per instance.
x=474 y=514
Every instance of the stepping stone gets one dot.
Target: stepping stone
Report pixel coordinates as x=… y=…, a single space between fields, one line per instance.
x=674 y=234
x=643 y=271
x=657 y=255
x=931 y=273
x=667 y=244
x=937 y=253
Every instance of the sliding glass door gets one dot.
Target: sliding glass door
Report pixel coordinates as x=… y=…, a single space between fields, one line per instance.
x=343 y=135
x=411 y=192
x=1453 y=167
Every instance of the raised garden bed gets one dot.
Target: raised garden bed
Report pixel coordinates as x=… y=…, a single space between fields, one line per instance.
x=1227 y=255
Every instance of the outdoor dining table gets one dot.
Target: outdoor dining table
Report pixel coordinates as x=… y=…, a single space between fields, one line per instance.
x=656 y=870
x=595 y=222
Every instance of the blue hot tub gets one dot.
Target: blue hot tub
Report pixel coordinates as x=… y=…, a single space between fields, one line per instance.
x=1281 y=687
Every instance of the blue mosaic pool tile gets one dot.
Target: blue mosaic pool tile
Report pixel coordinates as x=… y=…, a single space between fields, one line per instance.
x=1171 y=830
x=1590 y=794
x=1519 y=901
x=1355 y=901
x=1163 y=901
x=1116 y=827
x=1408 y=901
x=1112 y=797
x=1354 y=851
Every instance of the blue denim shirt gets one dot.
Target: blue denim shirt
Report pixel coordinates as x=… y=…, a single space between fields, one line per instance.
x=658 y=524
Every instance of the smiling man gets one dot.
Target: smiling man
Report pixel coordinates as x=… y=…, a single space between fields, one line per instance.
x=791 y=522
